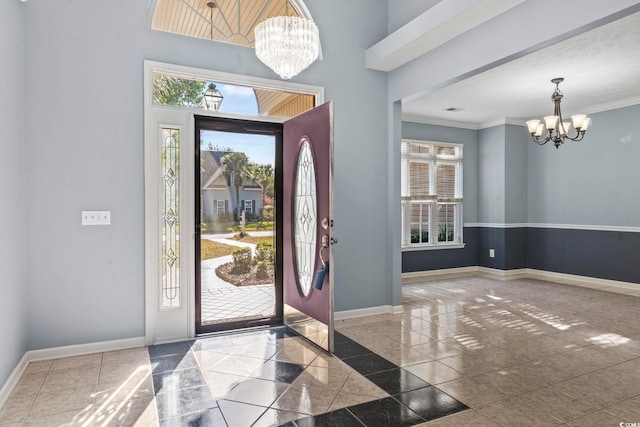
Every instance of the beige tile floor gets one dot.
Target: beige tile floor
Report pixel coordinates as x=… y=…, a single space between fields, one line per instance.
x=518 y=353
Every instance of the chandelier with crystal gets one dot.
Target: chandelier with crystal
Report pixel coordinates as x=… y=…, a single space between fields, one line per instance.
x=557 y=130
x=287 y=44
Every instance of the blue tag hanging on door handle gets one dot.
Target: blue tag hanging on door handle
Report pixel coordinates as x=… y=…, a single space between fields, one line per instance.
x=318 y=280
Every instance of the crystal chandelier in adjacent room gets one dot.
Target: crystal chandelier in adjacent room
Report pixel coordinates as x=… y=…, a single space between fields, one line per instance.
x=287 y=44
x=554 y=127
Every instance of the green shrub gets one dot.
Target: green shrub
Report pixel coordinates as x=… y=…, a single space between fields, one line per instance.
x=242 y=259
x=445 y=235
x=262 y=271
x=265 y=252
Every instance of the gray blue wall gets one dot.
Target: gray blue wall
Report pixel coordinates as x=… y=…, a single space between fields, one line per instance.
x=538 y=206
x=85 y=148
x=13 y=307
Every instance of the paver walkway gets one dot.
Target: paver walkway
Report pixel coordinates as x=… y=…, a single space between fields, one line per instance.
x=224 y=302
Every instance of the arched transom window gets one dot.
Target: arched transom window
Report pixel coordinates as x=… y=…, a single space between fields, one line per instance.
x=229 y=21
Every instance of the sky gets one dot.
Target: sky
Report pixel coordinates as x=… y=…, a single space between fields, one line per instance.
x=258 y=148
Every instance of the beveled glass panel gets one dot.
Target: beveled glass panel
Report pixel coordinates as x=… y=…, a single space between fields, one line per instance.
x=170 y=228
x=305 y=218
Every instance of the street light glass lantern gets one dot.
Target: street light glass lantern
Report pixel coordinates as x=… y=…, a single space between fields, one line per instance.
x=212 y=98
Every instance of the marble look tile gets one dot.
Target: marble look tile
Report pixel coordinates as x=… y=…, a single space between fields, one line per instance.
x=274 y=417
x=203 y=418
x=471 y=392
x=220 y=384
x=256 y=392
x=510 y=412
x=177 y=403
x=137 y=387
x=629 y=409
x=583 y=389
x=305 y=400
x=385 y=412
x=133 y=412
x=430 y=403
x=273 y=370
x=29 y=384
x=42 y=366
x=296 y=354
x=173 y=362
x=369 y=364
x=169 y=349
x=81 y=380
x=238 y=414
x=78 y=418
x=329 y=378
x=436 y=350
x=358 y=384
x=125 y=379
x=467 y=418
x=559 y=405
x=133 y=355
x=179 y=379
x=344 y=399
x=505 y=381
x=596 y=419
x=341 y=417
x=236 y=365
x=77 y=362
x=403 y=355
x=434 y=372
x=396 y=381
x=62 y=401
x=15 y=409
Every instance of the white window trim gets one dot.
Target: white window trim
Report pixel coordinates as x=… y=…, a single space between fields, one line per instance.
x=406 y=220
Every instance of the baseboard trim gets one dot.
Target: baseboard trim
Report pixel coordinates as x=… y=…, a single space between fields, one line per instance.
x=369 y=311
x=11 y=382
x=449 y=272
x=64 y=351
x=82 y=349
x=586 y=281
x=616 y=286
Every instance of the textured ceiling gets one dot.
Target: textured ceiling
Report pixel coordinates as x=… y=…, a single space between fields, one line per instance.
x=601 y=69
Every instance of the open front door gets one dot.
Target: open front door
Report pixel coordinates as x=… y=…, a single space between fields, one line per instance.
x=308 y=223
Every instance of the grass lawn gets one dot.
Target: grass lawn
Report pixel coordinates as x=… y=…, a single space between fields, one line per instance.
x=256 y=239
x=210 y=249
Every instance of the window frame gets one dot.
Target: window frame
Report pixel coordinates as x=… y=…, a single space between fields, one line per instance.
x=431 y=202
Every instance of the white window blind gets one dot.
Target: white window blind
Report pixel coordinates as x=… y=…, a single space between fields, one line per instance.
x=431 y=180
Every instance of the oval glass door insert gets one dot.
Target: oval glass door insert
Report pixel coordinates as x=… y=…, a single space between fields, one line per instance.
x=305 y=218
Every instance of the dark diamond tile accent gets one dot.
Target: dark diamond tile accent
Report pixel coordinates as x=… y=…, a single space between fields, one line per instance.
x=162 y=350
x=385 y=412
x=283 y=372
x=369 y=363
x=184 y=402
x=397 y=381
x=177 y=380
x=345 y=349
x=170 y=363
x=431 y=403
x=341 y=417
x=340 y=338
x=209 y=418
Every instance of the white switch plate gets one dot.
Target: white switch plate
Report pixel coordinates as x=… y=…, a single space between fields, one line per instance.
x=492 y=253
x=96 y=217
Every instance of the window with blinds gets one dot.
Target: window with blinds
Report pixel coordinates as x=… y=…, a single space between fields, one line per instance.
x=431 y=193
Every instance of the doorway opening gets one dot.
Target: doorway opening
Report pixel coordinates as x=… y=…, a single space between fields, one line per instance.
x=238 y=234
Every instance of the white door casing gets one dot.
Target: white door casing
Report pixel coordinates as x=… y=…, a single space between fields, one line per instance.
x=178 y=323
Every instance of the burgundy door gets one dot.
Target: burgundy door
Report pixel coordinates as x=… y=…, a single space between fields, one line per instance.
x=307 y=225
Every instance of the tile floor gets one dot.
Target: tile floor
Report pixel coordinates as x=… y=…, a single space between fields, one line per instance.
x=466 y=352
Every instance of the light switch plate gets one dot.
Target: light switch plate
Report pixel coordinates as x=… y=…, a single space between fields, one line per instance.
x=96 y=217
